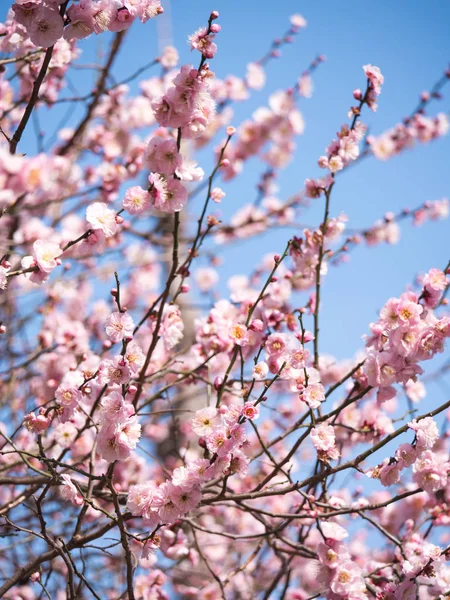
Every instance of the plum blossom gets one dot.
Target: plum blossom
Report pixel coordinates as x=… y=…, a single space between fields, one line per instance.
x=204 y=421
x=69 y=491
x=136 y=200
x=119 y=326
x=99 y=216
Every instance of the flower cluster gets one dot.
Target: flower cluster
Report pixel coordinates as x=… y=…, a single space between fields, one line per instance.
x=44 y=23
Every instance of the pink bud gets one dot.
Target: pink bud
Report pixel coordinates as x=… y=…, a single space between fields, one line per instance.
x=276 y=258
x=2 y=329
x=107 y=344
x=357 y=94
x=256 y=325
x=119 y=219
x=132 y=389
x=113 y=292
x=184 y=289
x=231 y=130
x=35 y=576
x=218 y=383
x=6 y=264
x=214 y=15
x=275 y=53
x=215 y=28
x=274 y=279
x=225 y=163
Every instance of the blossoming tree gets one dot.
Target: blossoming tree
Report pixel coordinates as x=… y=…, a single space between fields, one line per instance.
x=291 y=475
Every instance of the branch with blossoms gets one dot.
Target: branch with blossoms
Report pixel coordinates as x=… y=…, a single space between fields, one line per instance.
x=292 y=474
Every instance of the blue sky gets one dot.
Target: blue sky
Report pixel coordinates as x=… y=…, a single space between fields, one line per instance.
x=409 y=41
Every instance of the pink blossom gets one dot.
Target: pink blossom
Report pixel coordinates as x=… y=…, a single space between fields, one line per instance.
x=99 y=216
x=203 y=41
x=298 y=21
x=3 y=277
x=116 y=440
x=250 y=411
x=333 y=531
x=186 y=499
x=119 y=326
x=239 y=334
x=69 y=491
x=426 y=432
x=313 y=395
x=204 y=421
x=323 y=437
x=113 y=408
x=217 y=194
x=260 y=371
x=134 y=357
x=206 y=278
x=136 y=200
x=255 y=77
x=164 y=502
x=45 y=255
x=46 y=27
x=163 y=156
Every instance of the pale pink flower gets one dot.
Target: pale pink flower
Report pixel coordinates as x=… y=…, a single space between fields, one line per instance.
x=114 y=371
x=46 y=27
x=172 y=326
x=430 y=471
x=135 y=357
x=206 y=278
x=347 y=580
x=163 y=501
x=99 y=216
x=375 y=77
x=119 y=326
x=239 y=334
x=276 y=344
x=65 y=434
x=3 y=277
x=219 y=443
x=332 y=530
x=260 y=371
x=140 y=501
x=163 y=156
x=69 y=491
x=335 y=163
x=255 y=77
x=45 y=255
x=189 y=170
x=36 y=423
x=298 y=21
x=186 y=499
x=389 y=472
x=117 y=440
x=217 y=194
x=426 y=432
x=169 y=57
x=313 y=395
x=136 y=200
x=204 y=421
x=323 y=437
x=203 y=41
x=114 y=408
x=172 y=198
x=82 y=22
